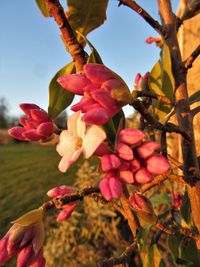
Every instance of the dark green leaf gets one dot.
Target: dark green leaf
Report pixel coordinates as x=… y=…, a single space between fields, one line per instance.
x=186 y=208
x=43 y=7
x=59 y=99
x=85 y=16
x=174 y=243
x=161 y=82
x=188 y=252
x=194 y=98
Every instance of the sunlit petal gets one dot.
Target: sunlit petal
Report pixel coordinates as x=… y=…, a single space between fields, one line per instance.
x=67 y=143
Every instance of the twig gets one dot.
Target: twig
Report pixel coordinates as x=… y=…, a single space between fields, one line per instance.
x=189 y=61
x=140 y=11
x=156 y=181
x=175 y=162
x=176 y=178
x=105 y=202
x=195 y=111
x=192 y=11
x=68 y=36
x=162 y=99
x=169 y=127
x=163 y=143
x=59 y=202
x=123 y=259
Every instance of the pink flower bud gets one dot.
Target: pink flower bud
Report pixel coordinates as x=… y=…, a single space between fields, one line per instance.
x=39 y=115
x=98 y=116
x=140 y=202
x=125 y=165
x=127 y=176
x=151 y=40
x=131 y=136
x=102 y=149
x=176 y=200
x=146 y=149
x=142 y=176
x=45 y=129
x=157 y=164
x=32 y=135
x=4 y=256
x=17 y=132
x=60 y=191
x=66 y=212
x=25 y=256
x=110 y=162
x=74 y=83
x=98 y=73
x=110 y=188
x=26 y=107
x=124 y=151
x=137 y=78
x=135 y=165
x=38 y=261
x=105 y=100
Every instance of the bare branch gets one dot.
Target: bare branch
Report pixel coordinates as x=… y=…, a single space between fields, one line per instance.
x=189 y=61
x=195 y=111
x=140 y=11
x=68 y=36
x=162 y=99
x=169 y=127
x=123 y=259
x=156 y=181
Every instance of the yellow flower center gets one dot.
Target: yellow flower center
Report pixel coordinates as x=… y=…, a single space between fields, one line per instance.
x=79 y=143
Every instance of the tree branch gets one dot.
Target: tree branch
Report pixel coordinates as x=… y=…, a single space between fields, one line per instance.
x=162 y=99
x=189 y=61
x=195 y=111
x=156 y=181
x=68 y=36
x=169 y=127
x=123 y=259
x=140 y=11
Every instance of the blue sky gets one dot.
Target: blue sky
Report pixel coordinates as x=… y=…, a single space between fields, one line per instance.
x=31 y=50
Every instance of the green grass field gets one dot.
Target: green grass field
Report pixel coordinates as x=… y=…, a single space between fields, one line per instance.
x=27 y=172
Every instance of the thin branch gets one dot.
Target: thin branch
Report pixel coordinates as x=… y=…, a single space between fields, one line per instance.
x=189 y=61
x=162 y=99
x=113 y=205
x=123 y=259
x=163 y=143
x=59 y=202
x=176 y=178
x=68 y=36
x=195 y=111
x=169 y=127
x=156 y=181
x=140 y=11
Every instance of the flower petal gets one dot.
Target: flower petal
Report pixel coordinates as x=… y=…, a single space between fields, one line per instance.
x=67 y=144
x=93 y=138
x=68 y=160
x=96 y=116
x=98 y=73
x=74 y=83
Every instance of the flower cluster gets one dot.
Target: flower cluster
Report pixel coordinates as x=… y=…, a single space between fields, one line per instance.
x=25 y=240
x=133 y=161
x=63 y=191
x=36 y=125
x=103 y=93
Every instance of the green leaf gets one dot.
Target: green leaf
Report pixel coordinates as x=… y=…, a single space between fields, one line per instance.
x=94 y=56
x=142 y=237
x=59 y=99
x=174 y=243
x=186 y=208
x=194 y=98
x=160 y=199
x=43 y=7
x=161 y=82
x=189 y=253
x=85 y=16
x=152 y=257
x=29 y=218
